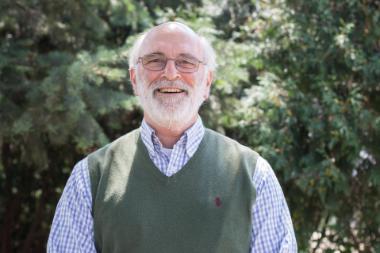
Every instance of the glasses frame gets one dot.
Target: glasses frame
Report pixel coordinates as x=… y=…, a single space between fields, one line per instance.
x=140 y=59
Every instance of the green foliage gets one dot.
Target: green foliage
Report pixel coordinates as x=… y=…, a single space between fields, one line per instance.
x=312 y=112
x=298 y=81
x=63 y=84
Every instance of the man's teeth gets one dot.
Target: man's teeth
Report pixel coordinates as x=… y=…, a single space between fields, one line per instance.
x=169 y=90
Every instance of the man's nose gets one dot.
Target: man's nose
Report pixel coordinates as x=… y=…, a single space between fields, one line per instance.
x=170 y=71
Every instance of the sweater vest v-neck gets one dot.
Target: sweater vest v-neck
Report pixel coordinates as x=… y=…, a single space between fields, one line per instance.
x=205 y=207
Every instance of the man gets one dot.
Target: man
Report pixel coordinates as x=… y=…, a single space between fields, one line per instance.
x=172 y=185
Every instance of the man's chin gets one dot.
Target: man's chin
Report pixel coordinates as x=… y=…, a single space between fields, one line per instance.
x=170 y=105
x=172 y=119
x=173 y=115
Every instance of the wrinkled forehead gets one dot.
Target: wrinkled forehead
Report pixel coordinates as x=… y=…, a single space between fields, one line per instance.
x=172 y=39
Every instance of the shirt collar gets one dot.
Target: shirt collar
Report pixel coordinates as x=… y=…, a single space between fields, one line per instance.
x=191 y=138
x=194 y=137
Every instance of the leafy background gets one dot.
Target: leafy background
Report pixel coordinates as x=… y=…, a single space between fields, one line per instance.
x=298 y=81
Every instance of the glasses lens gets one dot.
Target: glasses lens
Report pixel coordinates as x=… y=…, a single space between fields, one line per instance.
x=157 y=62
x=154 y=61
x=186 y=64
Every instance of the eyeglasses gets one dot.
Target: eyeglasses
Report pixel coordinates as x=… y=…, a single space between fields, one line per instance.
x=183 y=63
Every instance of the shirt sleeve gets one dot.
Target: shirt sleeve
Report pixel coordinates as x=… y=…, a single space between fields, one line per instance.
x=272 y=229
x=72 y=227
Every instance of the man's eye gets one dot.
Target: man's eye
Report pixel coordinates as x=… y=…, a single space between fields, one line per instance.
x=182 y=61
x=154 y=60
x=186 y=62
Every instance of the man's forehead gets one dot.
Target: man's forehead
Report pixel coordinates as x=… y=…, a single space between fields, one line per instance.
x=173 y=27
x=179 y=35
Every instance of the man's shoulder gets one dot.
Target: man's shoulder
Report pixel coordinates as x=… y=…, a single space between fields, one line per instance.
x=231 y=152
x=227 y=142
x=118 y=145
x=118 y=151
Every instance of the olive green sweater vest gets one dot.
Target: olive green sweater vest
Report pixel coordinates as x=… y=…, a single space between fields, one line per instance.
x=203 y=208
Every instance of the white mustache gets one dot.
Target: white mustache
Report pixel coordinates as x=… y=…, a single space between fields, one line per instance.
x=170 y=84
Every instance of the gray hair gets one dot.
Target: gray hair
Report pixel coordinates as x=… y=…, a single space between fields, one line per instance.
x=209 y=53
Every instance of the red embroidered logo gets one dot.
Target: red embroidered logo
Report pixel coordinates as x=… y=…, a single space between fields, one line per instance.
x=218 y=202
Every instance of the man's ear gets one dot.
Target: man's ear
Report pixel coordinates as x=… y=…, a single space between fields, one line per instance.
x=132 y=77
x=209 y=79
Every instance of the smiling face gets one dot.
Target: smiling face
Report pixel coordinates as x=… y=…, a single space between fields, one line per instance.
x=170 y=98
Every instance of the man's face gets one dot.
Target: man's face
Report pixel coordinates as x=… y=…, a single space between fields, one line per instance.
x=169 y=97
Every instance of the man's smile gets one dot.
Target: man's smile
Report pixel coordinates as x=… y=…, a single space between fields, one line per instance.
x=170 y=90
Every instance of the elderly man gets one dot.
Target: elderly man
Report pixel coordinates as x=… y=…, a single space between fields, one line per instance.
x=172 y=185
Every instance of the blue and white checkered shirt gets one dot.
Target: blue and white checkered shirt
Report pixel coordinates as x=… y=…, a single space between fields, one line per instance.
x=72 y=228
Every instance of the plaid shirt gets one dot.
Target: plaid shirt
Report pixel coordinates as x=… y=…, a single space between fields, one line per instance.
x=72 y=228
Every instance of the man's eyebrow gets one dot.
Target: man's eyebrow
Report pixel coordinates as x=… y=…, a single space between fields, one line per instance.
x=155 y=53
x=188 y=55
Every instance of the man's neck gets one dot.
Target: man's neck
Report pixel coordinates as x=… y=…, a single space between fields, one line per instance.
x=169 y=136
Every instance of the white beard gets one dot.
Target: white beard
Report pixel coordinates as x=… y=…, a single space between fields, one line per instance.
x=171 y=113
